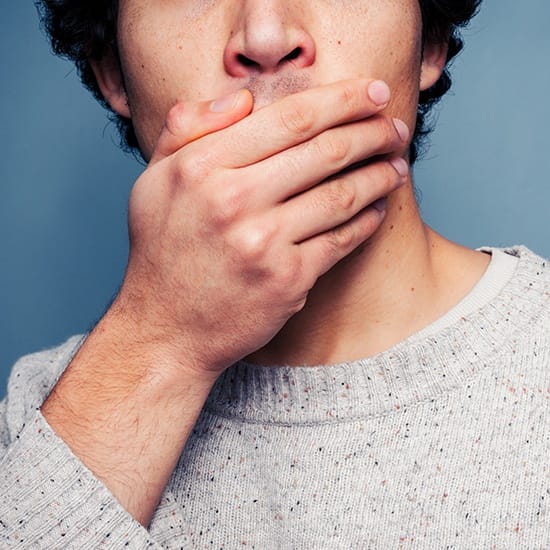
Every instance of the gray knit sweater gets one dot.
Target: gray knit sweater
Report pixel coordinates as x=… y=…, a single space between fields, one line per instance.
x=441 y=442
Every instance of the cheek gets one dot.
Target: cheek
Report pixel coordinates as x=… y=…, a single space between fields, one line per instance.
x=150 y=46
x=404 y=80
x=377 y=40
x=145 y=81
x=163 y=67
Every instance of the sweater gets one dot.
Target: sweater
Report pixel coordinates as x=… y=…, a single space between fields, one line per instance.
x=441 y=442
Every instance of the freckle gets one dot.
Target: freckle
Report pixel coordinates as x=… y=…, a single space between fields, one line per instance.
x=391 y=227
x=339 y=42
x=400 y=207
x=142 y=66
x=412 y=289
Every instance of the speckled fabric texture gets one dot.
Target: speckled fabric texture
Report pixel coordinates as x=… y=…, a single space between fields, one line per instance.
x=442 y=442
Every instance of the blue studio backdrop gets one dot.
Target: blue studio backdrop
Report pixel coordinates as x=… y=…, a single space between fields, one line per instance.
x=64 y=183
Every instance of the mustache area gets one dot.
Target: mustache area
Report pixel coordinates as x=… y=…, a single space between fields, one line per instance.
x=266 y=90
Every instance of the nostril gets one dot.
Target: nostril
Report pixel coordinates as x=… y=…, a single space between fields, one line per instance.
x=246 y=61
x=294 y=54
x=262 y=53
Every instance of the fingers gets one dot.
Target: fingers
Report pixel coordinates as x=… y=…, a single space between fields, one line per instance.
x=338 y=200
x=186 y=122
x=298 y=118
x=304 y=166
x=322 y=252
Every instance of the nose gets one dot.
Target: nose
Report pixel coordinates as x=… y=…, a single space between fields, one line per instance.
x=268 y=36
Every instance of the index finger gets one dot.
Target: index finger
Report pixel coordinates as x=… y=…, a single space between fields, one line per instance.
x=298 y=118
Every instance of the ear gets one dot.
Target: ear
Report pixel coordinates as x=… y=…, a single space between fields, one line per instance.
x=434 y=58
x=109 y=79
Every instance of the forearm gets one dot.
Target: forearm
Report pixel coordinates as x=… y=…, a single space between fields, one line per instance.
x=125 y=407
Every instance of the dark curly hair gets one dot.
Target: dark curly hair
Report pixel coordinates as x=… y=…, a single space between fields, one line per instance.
x=81 y=30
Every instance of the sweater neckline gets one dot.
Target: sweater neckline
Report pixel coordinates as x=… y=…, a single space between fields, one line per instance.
x=444 y=356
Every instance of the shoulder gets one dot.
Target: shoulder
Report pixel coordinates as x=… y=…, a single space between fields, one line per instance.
x=527 y=257
x=529 y=288
x=518 y=315
x=531 y=277
x=33 y=377
x=524 y=305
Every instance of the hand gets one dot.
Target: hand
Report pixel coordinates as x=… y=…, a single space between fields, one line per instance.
x=237 y=216
x=231 y=224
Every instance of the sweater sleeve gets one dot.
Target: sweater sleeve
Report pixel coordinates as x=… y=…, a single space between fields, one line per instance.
x=48 y=498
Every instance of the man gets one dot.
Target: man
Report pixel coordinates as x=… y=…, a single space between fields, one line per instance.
x=294 y=360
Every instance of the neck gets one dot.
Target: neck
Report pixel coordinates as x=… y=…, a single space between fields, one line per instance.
x=401 y=280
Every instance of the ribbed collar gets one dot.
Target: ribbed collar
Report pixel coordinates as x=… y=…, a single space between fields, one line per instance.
x=441 y=357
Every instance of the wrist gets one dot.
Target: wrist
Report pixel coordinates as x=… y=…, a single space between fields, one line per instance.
x=158 y=351
x=120 y=362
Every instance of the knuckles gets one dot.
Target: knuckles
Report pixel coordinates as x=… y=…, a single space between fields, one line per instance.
x=174 y=119
x=340 y=239
x=343 y=196
x=227 y=203
x=253 y=242
x=335 y=197
x=350 y=99
x=298 y=118
x=335 y=150
x=192 y=168
x=263 y=262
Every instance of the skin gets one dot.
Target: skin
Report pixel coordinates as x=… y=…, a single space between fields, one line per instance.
x=254 y=195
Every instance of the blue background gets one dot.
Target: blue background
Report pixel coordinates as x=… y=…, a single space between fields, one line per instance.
x=64 y=183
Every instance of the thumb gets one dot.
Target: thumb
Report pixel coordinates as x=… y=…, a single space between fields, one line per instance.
x=186 y=122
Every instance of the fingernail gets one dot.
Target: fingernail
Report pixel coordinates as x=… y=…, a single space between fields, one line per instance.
x=379 y=92
x=402 y=129
x=380 y=204
x=401 y=166
x=225 y=104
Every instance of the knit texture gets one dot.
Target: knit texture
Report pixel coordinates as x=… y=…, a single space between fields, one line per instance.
x=441 y=442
